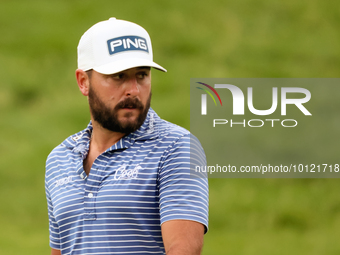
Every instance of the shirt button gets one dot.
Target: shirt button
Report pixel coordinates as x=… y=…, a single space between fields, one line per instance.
x=90 y=195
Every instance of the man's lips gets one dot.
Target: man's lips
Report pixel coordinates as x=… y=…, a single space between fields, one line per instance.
x=129 y=108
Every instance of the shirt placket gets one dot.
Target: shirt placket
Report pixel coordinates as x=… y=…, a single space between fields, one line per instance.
x=91 y=191
x=93 y=180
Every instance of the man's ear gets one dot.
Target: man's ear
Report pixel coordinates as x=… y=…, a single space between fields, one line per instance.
x=83 y=81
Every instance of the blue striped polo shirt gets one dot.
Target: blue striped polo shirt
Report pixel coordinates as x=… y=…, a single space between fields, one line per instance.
x=133 y=187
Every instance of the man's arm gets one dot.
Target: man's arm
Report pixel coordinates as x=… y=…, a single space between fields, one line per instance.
x=55 y=252
x=182 y=237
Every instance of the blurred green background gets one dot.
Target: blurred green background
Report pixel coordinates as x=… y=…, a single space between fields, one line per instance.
x=40 y=106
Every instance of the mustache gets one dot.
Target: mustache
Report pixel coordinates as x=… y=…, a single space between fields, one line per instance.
x=130 y=103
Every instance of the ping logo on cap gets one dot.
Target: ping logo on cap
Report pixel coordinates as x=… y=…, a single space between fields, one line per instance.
x=126 y=43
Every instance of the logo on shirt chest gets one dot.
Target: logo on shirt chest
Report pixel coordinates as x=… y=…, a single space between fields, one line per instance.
x=63 y=181
x=127 y=174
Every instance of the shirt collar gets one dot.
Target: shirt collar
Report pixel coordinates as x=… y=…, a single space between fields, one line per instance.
x=149 y=130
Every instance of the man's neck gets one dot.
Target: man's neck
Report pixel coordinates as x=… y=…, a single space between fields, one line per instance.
x=102 y=138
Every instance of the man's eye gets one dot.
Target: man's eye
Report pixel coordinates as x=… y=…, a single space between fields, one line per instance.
x=117 y=76
x=142 y=75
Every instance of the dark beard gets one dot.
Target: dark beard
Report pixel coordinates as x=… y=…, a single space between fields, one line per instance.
x=108 y=118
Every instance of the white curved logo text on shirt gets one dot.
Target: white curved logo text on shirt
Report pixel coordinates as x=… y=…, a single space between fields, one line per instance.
x=127 y=174
x=63 y=181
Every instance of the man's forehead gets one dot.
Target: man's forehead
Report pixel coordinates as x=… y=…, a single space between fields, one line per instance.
x=135 y=69
x=144 y=67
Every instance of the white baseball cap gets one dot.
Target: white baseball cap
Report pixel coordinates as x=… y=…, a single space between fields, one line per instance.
x=113 y=45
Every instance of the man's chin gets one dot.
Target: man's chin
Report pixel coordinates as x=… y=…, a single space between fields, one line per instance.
x=129 y=121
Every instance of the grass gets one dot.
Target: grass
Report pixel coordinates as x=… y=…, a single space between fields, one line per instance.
x=40 y=106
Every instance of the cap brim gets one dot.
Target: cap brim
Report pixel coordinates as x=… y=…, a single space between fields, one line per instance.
x=121 y=65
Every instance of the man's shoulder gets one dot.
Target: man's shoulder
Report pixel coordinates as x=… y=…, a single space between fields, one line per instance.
x=66 y=146
x=154 y=127
x=167 y=129
x=177 y=137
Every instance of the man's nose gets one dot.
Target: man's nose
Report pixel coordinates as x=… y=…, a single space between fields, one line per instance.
x=132 y=87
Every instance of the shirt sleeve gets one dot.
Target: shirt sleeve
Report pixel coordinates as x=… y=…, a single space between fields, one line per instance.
x=53 y=225
x=183 y=195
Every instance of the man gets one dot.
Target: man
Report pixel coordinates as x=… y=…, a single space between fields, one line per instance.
x=123 y=184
